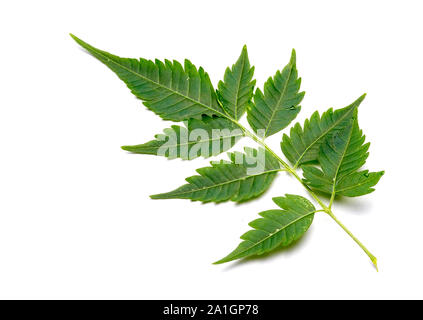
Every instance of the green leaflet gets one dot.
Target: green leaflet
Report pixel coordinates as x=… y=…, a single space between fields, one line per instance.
x=236 y=91
x=302 y=145
x=276 y=228
x=358 y=183
x=247 y=176
x=340 y=157
x=279 y=105
x=173 y=92
x=352 y=185
x=207 y=137
x=317 y=178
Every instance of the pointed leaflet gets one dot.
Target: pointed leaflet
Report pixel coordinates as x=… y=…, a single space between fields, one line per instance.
x=236 y=91
x=276 y=228
x=247 y=176
x=173 y=92
x=206 y=137
x=358 y=183
x=279 y=105
x=340 y=157
x=303 y=144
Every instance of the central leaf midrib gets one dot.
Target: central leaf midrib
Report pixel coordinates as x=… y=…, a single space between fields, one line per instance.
x=351 y=187
x=197 y=141
x=279 y=101
x=273 y=234
x=340 y=162
x=223 y=183
x=160 y=85
x=238 y=87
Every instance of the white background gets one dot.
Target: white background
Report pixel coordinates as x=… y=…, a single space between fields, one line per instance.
x=75 y=217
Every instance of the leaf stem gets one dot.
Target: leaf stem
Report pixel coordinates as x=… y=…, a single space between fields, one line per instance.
x=292 y=171
x=369 y=254
x=332 y=197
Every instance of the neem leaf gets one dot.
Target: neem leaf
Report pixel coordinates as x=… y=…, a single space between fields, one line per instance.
x=279 y=105
x=340 y=157
x=302 y=145
x=173 y=92
x=276 y=228
x=236 y=90
x=333 y=140
x=247 y=176
x=358 y=183
x=207 y=137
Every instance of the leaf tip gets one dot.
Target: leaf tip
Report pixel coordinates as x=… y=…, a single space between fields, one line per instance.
x=244 y=54
x=361 y=98
x=74 y=37
x=126 y=148
x=222 y=261
x=357 y=102
x=293 y=56
x=374 y=261
x=82 y=43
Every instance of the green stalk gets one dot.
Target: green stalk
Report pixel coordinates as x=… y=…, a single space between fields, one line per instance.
x=372 y=257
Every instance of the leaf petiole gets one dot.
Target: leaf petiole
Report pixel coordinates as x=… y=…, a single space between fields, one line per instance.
x=369 y=254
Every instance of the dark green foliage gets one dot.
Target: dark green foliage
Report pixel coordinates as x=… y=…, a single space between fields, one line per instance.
x=274 y=109
x=358 y=183
x=232 y=180
x=237 y=89
x=340 y=157
x=276 y=228
x=303 y=144
x=173 y=92
x=189 y=142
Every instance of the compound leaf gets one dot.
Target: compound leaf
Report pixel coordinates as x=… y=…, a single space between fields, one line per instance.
x=276 y=228
x=207 y=137
x=185 y=93
x=274 y=109
x=303 y=145
x=246 y=176
x=173 y=92
x=236 y=91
